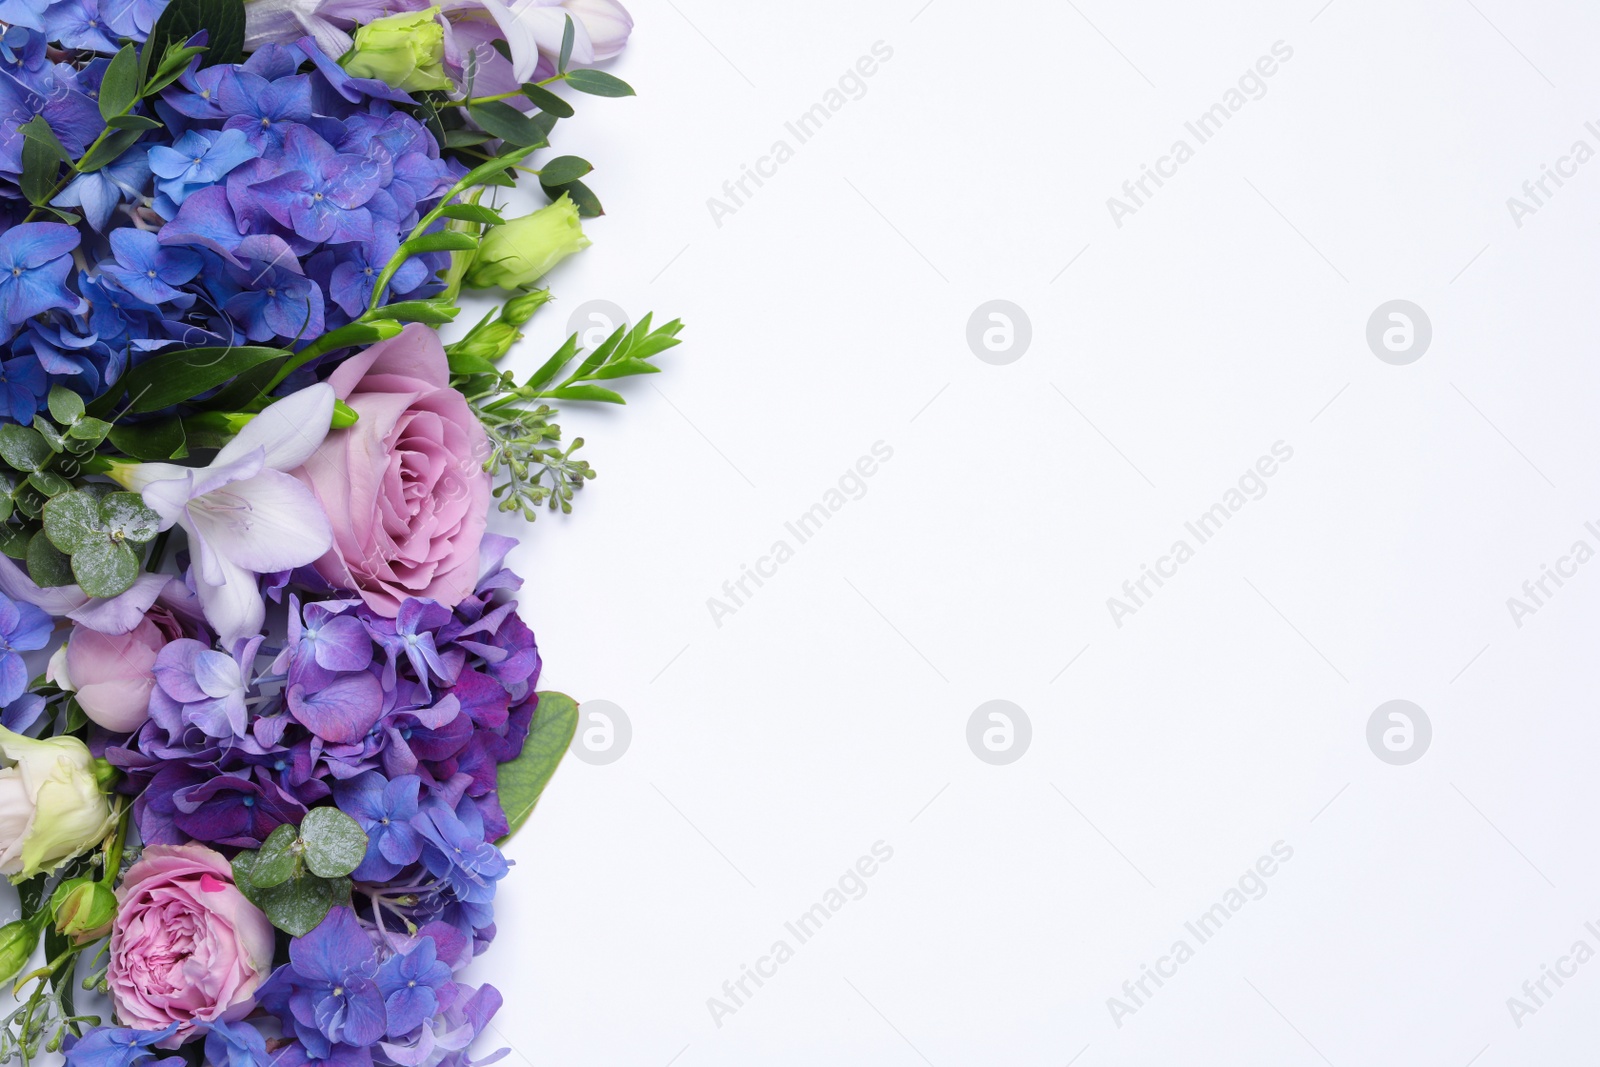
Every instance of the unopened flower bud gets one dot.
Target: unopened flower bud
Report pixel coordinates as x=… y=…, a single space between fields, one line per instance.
x=84 y=912
x=519 y=309
x=17 y=942
x=405 y=51
x=520 y=251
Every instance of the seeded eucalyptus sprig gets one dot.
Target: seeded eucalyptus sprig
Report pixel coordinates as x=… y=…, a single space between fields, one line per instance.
x=530 y=468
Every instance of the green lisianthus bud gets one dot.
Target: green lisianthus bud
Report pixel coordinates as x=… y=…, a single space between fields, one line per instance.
x=17 y=942
x=405 y=51
x=521 y=251
x=490 y=341
x=84 y=912
x=519 y=309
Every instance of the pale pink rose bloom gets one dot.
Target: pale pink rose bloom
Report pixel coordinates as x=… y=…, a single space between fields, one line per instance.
x=404 y=489
x=112 y=674
x=186 y=945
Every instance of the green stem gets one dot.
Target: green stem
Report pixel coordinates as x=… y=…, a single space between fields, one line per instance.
x=507 y=96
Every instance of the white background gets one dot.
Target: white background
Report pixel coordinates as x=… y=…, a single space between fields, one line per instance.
x=829 y=712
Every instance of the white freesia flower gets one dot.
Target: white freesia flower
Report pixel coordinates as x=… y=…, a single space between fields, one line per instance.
x=245 y=515
x=600 y=30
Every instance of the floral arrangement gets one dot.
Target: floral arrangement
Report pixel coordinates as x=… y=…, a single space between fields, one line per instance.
x=255 y=777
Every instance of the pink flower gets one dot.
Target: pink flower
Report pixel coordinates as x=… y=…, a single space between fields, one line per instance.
x=404 y=488
x=112 y=673
x=186 y=945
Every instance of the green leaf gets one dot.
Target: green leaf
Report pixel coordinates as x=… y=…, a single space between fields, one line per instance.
x=66 y=407
x=563 y=169
x=598 y=83
x=108 y=151
x=52 y=436
x=334 y=844
x=173 y=63
x=484 y=171
x=169 y=378
x=507 y=123
x=587 y=392
x=119 y=85
x=552 y=366
x=474 y=213
x=39 y=170
x=49 y=483
x=545 y=100
x=588 y=204
x=89 y=429
x=419 y=311
x=161 y=440
x=48 y=565
x=105 y=568
x=275 y=863
x=37 y=129
x=297 y=905
x=465 y=138
x=14 y=540
x=443 y=241
x=569 y=34
x=223 y=21
x=23 y=448
x=522 y=780
x=132 y=122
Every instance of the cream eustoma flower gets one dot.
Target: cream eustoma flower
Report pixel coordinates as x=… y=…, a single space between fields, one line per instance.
x=51 y=806
x=244 y=513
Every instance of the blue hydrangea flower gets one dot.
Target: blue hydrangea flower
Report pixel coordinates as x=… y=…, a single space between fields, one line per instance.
x=275 y=301
x=23 y=387
x=384 y=809
x=148 y=271
x=78 y=24
x=99 y=192
x=457 y=854
x=236 y=1044
x=35 y=258
x=198 y=159
x=330 y=978
x=410 y=982
x=112 y=1046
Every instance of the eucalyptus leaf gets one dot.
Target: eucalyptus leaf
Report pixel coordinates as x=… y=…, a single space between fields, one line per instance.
x=23 y=448
x=334 y=844
x=48 y=565
x=105 y=568
x=276 y=861
x=66 y=407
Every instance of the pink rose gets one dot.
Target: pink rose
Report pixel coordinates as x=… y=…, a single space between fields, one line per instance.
x=111 y=674
x=186 y=944
x=404 y=488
